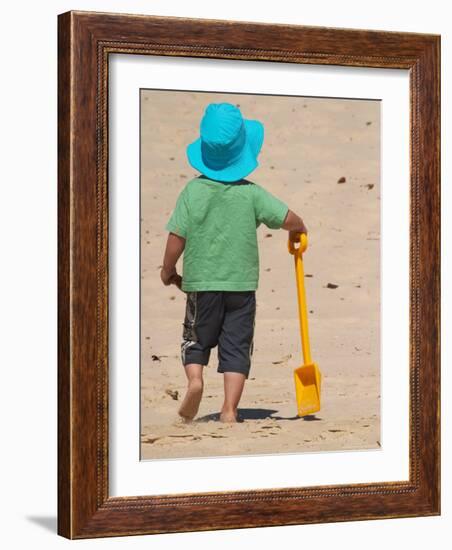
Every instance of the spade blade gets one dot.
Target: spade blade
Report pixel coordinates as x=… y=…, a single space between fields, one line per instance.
x=308 y=380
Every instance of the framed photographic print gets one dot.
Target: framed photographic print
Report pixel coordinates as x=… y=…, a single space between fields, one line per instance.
x=249 y=274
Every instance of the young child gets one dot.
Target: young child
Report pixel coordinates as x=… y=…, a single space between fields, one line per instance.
x=214 y=224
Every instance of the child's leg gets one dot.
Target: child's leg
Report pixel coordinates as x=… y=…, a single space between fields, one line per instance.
x=233 y=388
x=190 y=404
x=200 y=334
x=235 y=348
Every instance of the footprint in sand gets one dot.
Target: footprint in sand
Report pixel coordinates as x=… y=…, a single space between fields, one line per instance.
x=151 y=439
x=282 y=360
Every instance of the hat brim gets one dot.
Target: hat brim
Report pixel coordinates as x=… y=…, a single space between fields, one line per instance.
x=243 y=166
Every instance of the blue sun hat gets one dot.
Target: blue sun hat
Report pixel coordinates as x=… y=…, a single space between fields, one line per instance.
x=228 y=145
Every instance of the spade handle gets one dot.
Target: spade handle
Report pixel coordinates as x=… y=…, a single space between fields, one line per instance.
x=297 y=253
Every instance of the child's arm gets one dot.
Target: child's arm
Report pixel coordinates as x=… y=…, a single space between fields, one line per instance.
x=295 y=225
x=174 y=247
x=271 y=211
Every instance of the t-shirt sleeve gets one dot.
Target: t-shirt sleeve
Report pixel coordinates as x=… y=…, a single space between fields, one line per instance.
x=269 y=209
x=178 y=222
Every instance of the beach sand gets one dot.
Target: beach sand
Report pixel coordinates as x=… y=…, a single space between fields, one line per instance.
x=310 y=143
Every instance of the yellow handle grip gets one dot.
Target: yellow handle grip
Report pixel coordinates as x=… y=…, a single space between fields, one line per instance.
x=302 y=246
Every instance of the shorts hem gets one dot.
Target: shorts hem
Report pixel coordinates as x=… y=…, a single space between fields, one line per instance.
x=223 y=369
x=196 y=358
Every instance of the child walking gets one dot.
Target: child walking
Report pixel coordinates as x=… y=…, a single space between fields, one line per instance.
x=214 y=225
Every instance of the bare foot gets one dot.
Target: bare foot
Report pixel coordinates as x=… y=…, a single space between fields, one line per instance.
x=190 y=404
x=228 y=416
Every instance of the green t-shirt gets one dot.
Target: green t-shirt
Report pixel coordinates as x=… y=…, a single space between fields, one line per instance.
x=219 y=221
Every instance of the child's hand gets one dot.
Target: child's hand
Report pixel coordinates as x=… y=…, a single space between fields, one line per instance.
x=177 y=280
x=170 y=277
x=295 y=226
x=294 y=236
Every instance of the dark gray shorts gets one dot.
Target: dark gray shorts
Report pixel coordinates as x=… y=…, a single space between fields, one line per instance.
x=223 y=318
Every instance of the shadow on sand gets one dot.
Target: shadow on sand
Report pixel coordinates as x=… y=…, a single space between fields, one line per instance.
x=257 y=414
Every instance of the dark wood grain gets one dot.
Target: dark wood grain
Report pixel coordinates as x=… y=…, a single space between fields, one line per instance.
x=64 y=297
x=85 y=508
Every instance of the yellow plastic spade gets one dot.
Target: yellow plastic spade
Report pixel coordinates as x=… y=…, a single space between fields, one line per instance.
x=308 y=378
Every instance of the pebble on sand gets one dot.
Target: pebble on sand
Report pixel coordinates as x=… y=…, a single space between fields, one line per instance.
x=331 y=285
x=341 y=180
x=174 y=394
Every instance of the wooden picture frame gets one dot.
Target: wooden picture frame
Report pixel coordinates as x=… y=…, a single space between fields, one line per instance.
x=85 y=41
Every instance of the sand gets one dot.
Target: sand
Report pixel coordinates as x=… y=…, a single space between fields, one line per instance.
x=310 y=143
